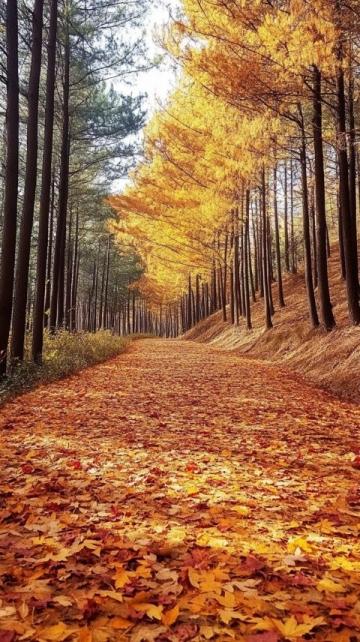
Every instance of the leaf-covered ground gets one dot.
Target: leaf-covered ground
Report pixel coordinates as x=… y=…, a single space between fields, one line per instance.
x=179 y=493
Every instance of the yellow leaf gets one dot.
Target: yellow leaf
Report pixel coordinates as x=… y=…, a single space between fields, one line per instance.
x=55 y=633
x=143 y=571
x=121 y=578
x=176 y=534
x=191 y=489
x=211 y=540
x=227 y=600
x=170 y=616
x=151 y=610
x=242 y=510
x=207 y=632
x=291 y=629
x=299 y=542
x=329 y=586
x=345 y=564
x=226 y=615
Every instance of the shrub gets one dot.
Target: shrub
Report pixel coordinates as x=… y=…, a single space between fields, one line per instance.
x=64 y=353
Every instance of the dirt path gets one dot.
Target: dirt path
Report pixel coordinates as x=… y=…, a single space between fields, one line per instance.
x=176 y=493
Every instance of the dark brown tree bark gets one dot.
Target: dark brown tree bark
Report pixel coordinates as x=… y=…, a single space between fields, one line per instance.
x=277 y=244
x=57 y=292
x=106 y=291
x=326 y=313
x=306 y=229
x=69 y=266
x=286 y=220
x=75 y=277
x=352 y=159
x=197 y=298
x=224 y=277
x=246 y=261
x=314 y=247
x=11 y=182
x=37 y=337
x=26 y=224
x=190 y=319
x=347 y=226
x=49 y=257
x=265 y=248
x=292 y=229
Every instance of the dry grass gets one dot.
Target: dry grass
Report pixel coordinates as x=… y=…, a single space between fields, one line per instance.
x=330 y=360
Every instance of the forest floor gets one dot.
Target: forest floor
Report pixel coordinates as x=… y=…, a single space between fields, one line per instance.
x=180 y=492
x=327 y=359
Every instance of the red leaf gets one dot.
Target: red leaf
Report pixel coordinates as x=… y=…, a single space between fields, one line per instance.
x=76 y=464
x=267 y=636
x=7 y=636
x=192 y=467
x=252 y=563
x=27 y=469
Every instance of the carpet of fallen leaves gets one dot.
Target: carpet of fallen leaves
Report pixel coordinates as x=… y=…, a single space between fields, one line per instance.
x=179 y=493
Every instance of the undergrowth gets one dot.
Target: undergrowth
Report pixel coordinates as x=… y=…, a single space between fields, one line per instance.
x=64 y=354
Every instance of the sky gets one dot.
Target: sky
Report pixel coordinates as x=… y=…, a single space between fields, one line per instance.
x=158 y=82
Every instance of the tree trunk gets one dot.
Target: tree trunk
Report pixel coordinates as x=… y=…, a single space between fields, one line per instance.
x=286 y=220
x=246 y=261
x=46 y=305
x=265 y=261
x=277 y=244
x=347 y=226
x=11 y=182
x=352 y=161
x=306 y=231
x=57 y=304
x=293 y=255
x=326 y=313
x=26 y=225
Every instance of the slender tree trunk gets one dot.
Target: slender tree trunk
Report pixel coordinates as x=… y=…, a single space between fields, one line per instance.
x=314 y=246
x=349 y=242
x=340 y=234
x=190 y=307
x=251 y=275
x=106 y=293
x=292 y=232
x=306 y=230
x=69 y=264
x=277 y=244
x=265 y=248
x=197 y=298
x=246 y=261
x=48 y=266
x=11 y=182
x=57 y=304
x=75 y=274
x=286 y=219
x=326 y=313
x=352 y=161
x=26 y=225
x=224 y=278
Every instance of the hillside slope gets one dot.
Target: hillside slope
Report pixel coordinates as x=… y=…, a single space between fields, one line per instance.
x=330 y=360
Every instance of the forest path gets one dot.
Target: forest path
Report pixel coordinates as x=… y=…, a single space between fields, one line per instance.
x=179 y=492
